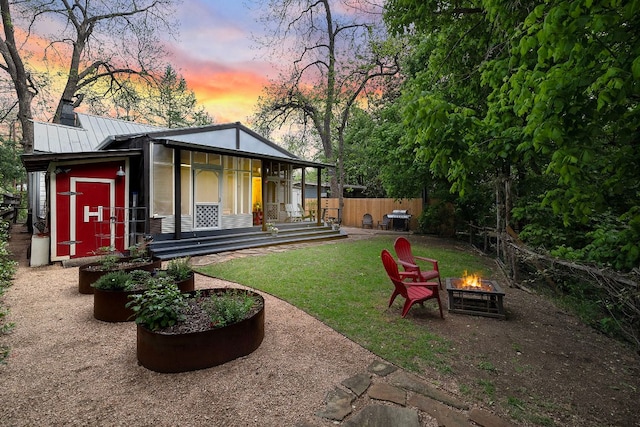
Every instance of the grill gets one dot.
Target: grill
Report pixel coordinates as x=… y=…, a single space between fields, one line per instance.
x=483 y=301
x=399 y=219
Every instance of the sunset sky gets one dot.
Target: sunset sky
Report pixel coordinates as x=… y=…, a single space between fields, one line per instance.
x=213 y=52
x=217 y=58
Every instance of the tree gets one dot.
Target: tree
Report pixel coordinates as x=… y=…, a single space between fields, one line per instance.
x=163 y=100
x=101 y=42
x=11 y=171
x=13 y=64
x=172 y=104
x=338 y=58
x=539 y=95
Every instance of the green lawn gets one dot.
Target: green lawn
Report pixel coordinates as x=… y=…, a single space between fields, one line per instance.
x=344 y=285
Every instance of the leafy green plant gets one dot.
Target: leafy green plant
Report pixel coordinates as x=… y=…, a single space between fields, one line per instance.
x=228 y=307
x=179 y=269
x=109 y=257
x=7 y=271
x=161 y=305
x=112 y=281
x=123 y=281
x=139 y=252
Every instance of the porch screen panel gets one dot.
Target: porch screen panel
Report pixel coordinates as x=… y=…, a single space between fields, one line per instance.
x=185 y=184
x=162 y=180
x=244 y=192
x=229 y=194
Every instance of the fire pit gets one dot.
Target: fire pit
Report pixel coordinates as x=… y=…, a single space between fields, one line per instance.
x=472 y=295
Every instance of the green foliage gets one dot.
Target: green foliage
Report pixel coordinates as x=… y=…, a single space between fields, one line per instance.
x=123 y=281
x=11 y=170
x=611 y=243
x=179 y=269
x=139 y=252
x=173 y=104
x=7 y=271
x=114 y=280
x=161 y=305
x=437 y=219
x=586 y=301
x=109 y=258
x=228 y=307
x=545 y=94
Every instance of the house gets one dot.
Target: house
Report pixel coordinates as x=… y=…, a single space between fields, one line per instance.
x=98 y=182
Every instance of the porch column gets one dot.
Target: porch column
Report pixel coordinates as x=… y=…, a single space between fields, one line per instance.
x=177 y=196
x=319 y=197
x=263 y=179
x=302 y=188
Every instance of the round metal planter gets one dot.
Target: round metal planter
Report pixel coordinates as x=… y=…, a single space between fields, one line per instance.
x=110 y=306
x=88 y=274
x=168 y=353
x=187 y=285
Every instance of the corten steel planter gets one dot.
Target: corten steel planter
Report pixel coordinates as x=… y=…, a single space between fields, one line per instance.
x=87 y=274
x=168 y=353
x=110 y=305
x=188 y=284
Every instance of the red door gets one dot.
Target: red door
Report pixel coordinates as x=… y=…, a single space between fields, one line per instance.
x=97 y=221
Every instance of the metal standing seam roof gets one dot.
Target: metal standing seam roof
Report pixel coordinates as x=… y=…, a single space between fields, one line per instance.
x=93 y=130
x=96 y=134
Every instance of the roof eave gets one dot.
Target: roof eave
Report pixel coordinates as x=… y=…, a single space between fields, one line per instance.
x=38 y=162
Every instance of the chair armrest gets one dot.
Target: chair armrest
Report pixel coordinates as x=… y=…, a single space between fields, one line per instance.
x=409 y=274
x=432 y=261
x=408 y=265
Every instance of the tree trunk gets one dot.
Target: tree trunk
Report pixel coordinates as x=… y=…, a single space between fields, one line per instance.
x=25 y=90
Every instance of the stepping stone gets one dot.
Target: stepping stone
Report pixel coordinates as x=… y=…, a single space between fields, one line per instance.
x=384 y=416
x=358 y=383
x=441 y=412
x=389 y=393
x=338 y=405
x=486 y=419
x=412 y=383
x=381 y=369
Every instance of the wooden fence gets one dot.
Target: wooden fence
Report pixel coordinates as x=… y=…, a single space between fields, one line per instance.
x=354 y=209
x=9 y=207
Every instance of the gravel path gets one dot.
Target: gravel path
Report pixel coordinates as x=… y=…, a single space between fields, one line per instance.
x=66 y=368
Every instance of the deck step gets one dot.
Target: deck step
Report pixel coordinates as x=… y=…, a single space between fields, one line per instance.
x=212 y=243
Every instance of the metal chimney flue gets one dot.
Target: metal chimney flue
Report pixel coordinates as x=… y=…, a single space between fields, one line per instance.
x=68 y=116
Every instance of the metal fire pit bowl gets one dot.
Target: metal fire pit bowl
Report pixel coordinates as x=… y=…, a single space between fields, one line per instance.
x=476 y=301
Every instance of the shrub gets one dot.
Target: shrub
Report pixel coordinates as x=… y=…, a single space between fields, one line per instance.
x=179 y=269
x=123 y=281
x=160 y=306
x=113 y=281
x=7 y=271
x=228 y=307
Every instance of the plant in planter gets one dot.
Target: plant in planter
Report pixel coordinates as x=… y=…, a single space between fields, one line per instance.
x=113 y=261
x=112 y=291
x=181 y=272
x=179 y=332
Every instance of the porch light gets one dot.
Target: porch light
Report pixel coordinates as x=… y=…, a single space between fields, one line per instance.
x=120 y=172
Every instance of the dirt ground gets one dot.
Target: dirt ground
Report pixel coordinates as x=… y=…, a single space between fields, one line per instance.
x=541 y=366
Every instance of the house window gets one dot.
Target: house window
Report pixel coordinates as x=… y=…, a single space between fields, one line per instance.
x=162 y=192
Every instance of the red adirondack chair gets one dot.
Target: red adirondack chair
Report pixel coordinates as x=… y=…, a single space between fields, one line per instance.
x=412 y=292
x=411 y=268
